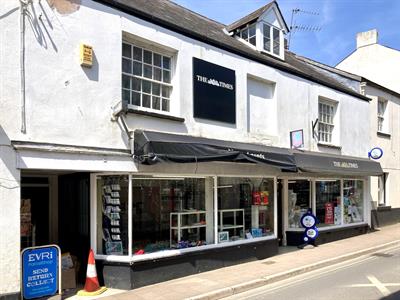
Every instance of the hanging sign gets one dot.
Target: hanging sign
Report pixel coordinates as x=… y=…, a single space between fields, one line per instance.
x=41 y=271
x=375 y=153
x=296 y=139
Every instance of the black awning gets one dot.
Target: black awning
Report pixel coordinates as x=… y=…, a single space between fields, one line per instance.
x=152 y=147
x=336 y=165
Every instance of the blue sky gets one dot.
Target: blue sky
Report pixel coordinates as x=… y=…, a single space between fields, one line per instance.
x=340 y=21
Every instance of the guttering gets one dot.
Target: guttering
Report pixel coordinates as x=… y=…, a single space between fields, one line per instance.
x=157 y=21
x=24 y=5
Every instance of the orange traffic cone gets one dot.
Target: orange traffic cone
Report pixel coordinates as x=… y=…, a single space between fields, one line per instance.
x=92 y=286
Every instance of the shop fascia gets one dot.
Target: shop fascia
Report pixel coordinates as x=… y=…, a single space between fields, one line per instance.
x=171 y=221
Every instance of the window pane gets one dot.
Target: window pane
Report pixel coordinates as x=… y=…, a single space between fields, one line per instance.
x=253 y=40
x=137 y=53
x=126 y=50
x=165 y=104
x=137 y=68
x=156 y=103
x=245 y=208
x=136 y=83
x=267 y=44
x=267 y=31
x=245 y=35
x=157 y=74
x=126 y=82
x=146 y=100
x=166 y=63
x=299 y=201
x=252 y=30
x=353 y=201
x=147 y=71
x=147 y=57
x=126 y=66
x=156 y=90
x=166 y=76
x=112 y=206
x=146 y=86
x=328 y=202
x=126 y=95
x=135 y=98
x=157 y=59
x=166 y=91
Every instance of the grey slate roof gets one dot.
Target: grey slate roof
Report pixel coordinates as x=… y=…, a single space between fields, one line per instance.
x=174 y=17
x=249 y=18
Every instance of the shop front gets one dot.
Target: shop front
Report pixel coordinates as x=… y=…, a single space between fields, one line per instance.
x=173 y=219
x=336 y=188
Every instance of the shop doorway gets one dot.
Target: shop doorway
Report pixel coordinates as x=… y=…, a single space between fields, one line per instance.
x=280 y=211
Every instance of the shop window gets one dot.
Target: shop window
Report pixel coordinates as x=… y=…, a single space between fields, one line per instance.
x=382 y=189
x=249 y=34
x=271 y=39
x=299 y=197
x=353 y=201
x=169 y=214
x=326 y=114
x=245 y=208
x=146 y=78
x=382 y=116
x=328 y=204
x=112 y=215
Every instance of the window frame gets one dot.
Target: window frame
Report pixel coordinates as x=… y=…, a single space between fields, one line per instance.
x=382 y=117
x=247 y=30
x=322 y=122
x=141 y=78
x=273 y=43
x=130 y=257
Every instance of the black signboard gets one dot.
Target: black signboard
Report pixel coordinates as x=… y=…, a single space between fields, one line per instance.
x=214 y=92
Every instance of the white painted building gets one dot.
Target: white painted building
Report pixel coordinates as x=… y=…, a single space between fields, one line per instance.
x=67 y=147
x=381 y=64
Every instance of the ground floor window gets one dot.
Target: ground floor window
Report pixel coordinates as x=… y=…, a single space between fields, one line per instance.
x=142 y=214
x=299 y=201
x=353 y=201
x=328 y=206
x=245 y=208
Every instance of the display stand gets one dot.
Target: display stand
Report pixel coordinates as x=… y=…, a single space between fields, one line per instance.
x=232 y=220
x=112 y=218
x=186 y=225
x=256 y=210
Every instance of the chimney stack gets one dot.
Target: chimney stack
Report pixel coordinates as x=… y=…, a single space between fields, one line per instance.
x=367 y=38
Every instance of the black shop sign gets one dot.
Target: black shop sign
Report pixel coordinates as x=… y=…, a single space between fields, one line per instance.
x=214 y=92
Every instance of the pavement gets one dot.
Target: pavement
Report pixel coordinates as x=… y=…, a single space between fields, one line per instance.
x=291 y=261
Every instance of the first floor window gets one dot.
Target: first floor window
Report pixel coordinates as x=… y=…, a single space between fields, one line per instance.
x=382 y=119
x=326 y=113
x=146 y=78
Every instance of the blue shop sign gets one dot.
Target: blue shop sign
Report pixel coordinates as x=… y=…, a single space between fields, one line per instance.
x=40 y=271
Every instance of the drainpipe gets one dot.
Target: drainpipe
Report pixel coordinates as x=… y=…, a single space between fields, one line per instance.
x=119 y=111
x=24 y=5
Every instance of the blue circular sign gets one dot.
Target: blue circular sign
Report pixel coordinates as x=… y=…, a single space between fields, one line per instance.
x=308 y=220
x=375 y=153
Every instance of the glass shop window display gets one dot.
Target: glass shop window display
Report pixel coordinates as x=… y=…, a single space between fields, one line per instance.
x=168 y=214
x=328 y=202
x=353 y=201
x=112 y=215
x=299 y=201
x=245 y=208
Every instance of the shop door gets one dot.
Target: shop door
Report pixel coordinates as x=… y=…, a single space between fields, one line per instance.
x=34 y=211
x=74 y=204
x=280 y=208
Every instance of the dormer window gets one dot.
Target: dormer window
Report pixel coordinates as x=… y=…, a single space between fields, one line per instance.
x=249 y=34
x=271 y=41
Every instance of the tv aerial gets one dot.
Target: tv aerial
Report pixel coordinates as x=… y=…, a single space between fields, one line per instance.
x=301 y=27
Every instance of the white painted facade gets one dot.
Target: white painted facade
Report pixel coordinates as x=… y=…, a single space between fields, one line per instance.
x=71 y=105
x=381 y=65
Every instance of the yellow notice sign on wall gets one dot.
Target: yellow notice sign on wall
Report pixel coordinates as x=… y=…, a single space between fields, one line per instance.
x=86 y=55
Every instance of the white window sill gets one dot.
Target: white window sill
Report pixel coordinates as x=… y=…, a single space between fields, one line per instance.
x=383 y=134
x=154 y=113
x=177 y=252
x=329 y=145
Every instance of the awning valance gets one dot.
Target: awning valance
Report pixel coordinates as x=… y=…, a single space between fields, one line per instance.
x=152 y=147
x=313 y=162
